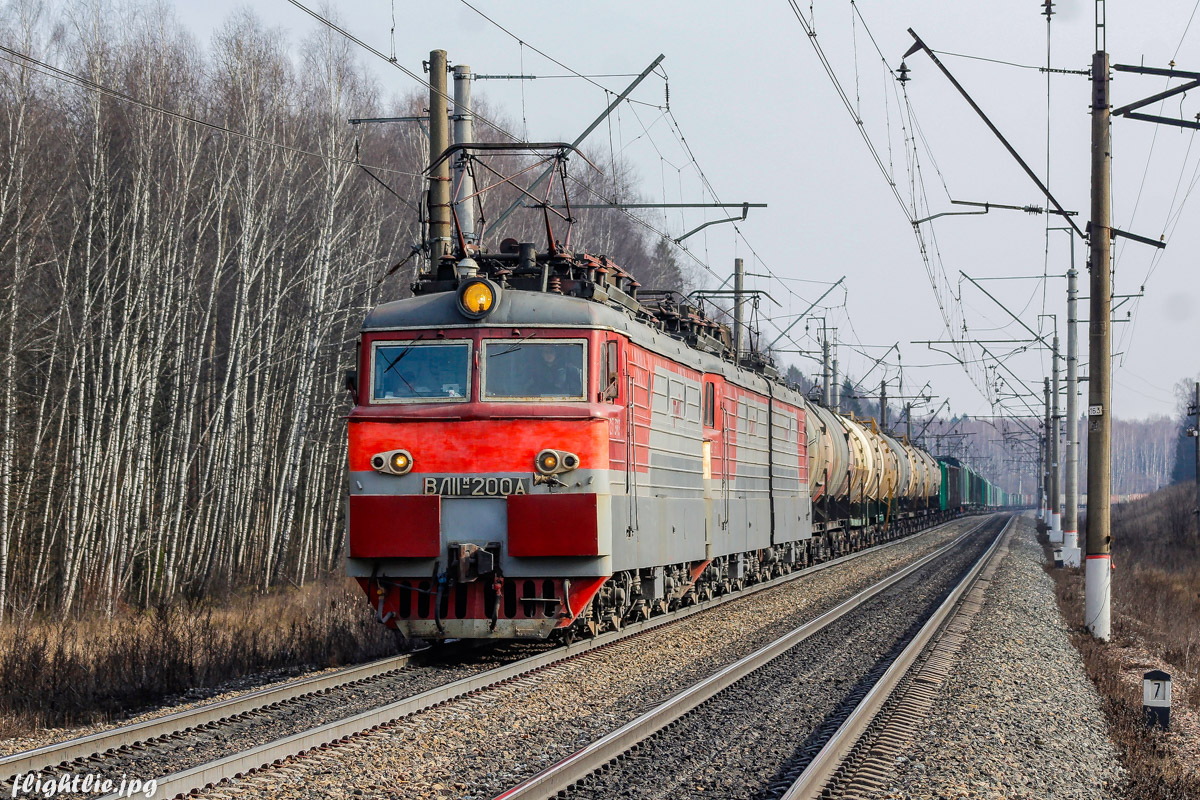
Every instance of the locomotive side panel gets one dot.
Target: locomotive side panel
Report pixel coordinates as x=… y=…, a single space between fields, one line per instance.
x=751 y=485
x=662 y=519
x=792 y=519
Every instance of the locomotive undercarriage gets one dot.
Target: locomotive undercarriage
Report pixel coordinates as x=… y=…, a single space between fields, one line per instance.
x=473 y=599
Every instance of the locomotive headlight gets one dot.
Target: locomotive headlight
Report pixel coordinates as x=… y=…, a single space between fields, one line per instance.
x=401 y=462
x=393 y=462
x=477 y=297
x=555 y=462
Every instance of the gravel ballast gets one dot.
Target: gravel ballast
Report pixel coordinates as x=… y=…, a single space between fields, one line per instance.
x=753 y=739
x=1018 y=716
x=479 y=746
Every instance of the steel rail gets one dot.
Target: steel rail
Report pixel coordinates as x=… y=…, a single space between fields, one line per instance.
x=570 y=770
x=812 y=782
x=52 y=755
x=232 y=766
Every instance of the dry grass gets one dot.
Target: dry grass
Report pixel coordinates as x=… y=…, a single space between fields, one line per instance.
x=55 y=674
x=1156 y=591
x=1157 y=578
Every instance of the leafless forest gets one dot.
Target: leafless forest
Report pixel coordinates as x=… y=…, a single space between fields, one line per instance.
x=1144 y=450
x=1143 y=453
x=178 y=300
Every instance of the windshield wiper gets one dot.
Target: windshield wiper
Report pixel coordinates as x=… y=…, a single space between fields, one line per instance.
x=512 y=348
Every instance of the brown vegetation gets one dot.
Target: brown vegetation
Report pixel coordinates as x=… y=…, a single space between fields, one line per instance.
x=84 y=671
x=1156 y=602
x=1156 y=550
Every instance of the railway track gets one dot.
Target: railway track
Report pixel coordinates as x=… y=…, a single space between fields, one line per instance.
x=690 y=744
x=858 y=760
x=177 y=748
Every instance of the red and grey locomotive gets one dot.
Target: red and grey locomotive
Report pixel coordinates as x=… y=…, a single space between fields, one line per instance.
x=534 y=449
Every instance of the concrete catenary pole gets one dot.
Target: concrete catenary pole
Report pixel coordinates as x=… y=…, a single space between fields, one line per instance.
x=883 y=405
x=826 y=383
x=439 y=178
x=464 y=133
x=1196 y=434
x=1056 y=536
x=739 y=277
x=1098 y=568
x=1041 y=483
x=837 y=388
x=1071 y=512
x=1047 y=455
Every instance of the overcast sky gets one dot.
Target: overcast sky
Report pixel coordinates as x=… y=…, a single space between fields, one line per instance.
x=766 y=125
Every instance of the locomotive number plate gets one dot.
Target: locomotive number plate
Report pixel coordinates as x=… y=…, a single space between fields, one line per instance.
x=475 y=486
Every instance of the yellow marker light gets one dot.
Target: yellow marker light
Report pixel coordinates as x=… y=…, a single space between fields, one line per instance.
x=478 y=298
x=401 y=462
x=548 y=462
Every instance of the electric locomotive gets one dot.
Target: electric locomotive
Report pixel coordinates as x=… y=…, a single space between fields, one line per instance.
x=539 y=447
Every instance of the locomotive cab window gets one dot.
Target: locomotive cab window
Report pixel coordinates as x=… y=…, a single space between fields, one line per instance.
x=710 y=406
x=420 y=372
x=609 y=373
x=542 y=370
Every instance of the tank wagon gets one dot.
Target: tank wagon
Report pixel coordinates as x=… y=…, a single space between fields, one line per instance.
x=536 y=447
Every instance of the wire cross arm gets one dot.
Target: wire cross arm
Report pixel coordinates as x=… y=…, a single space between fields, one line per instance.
x=561 y=148
x=920 y=45
x=1159 y=243
x=1128 y=110
x=626 y=206
x=697 y=229
x=1029 y=209
x=378 y=120
x=701 y=293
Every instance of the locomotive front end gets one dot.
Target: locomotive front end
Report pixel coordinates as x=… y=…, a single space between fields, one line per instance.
x=479 y=502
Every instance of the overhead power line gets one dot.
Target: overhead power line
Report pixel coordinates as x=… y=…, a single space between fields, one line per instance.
x=450 y=99
x=845 y=98
x=42 y=68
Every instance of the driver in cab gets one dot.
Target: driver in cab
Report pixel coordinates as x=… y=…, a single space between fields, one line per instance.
x=551 y=376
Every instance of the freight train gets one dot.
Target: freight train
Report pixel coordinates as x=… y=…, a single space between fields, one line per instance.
x=962 y=486
x=538 y=448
